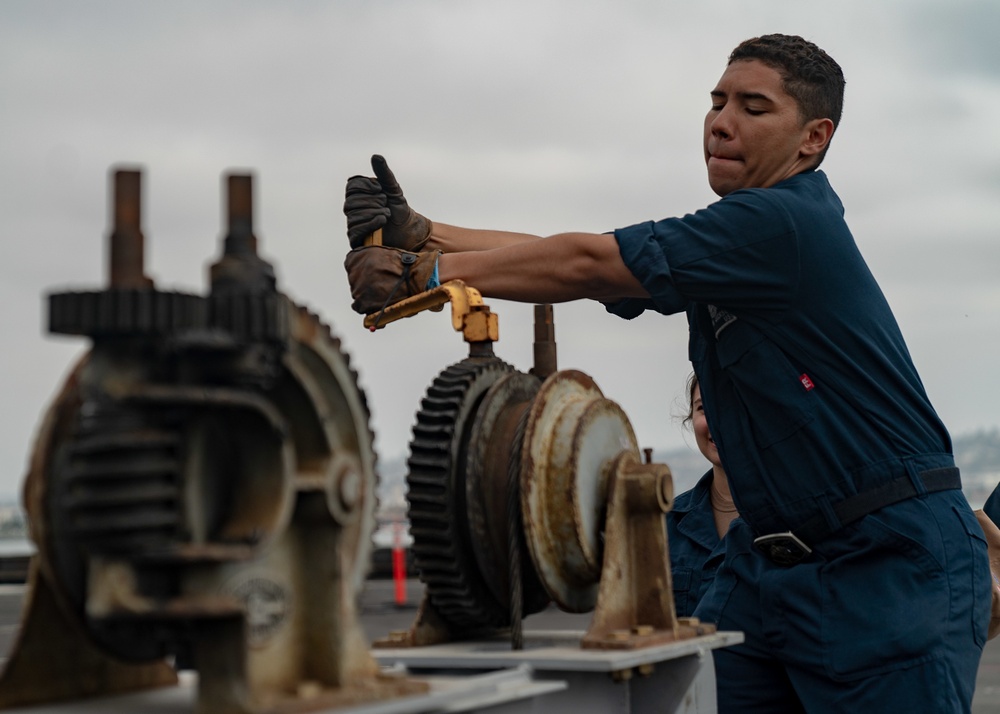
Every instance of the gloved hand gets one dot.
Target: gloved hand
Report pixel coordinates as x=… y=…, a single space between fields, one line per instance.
x=379 y=203
x=992 y=533
x=380 y=276
x=366 y=209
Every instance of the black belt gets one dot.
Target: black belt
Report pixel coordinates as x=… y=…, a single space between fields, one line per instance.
x=790 y=547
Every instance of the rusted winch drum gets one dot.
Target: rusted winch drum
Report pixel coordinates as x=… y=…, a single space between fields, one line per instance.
x=520 y=486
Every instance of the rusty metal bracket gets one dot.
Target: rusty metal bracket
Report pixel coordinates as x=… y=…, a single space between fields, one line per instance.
x=53 y=657
x=635 y=605
x=429 y=628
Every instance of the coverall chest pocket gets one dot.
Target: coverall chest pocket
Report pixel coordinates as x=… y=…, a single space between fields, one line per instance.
x=686 y=584
x=774 y=394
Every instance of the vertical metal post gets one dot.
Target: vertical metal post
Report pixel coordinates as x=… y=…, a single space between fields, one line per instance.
x=126 y=243
x=240 y=239
x=398 y=563
x=240 y=269
x=545 y=342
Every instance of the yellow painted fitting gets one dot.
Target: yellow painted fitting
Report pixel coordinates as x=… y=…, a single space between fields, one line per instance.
x=469 y=315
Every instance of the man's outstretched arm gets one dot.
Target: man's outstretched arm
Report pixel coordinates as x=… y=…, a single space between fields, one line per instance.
x=563 y=267
x=454 y=239
x=501 y=264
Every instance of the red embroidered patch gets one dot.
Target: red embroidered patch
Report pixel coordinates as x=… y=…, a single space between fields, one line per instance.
x=806 y=382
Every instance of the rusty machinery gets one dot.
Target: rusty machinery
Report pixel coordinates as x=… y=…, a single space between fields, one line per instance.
x=526 y=488
x=201 y=493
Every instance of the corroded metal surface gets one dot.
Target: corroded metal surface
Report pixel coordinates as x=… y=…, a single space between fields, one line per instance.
x=493 y=445
x=544 y=347
x=591 y=512
x=499 y=466
x=203 y=487
x=126 y=244
x=438 y=468
x=573 y=435
x=61 y=672
x=635 y=606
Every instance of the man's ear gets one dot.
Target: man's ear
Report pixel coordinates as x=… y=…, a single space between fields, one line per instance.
x=817 y=134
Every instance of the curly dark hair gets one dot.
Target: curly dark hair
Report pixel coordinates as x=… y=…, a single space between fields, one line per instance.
x=809 y=75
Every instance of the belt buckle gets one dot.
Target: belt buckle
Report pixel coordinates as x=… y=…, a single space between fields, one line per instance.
x=782 y=548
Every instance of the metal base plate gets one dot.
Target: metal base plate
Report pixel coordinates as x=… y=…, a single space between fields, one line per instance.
x=678 y=677
x=510 y=690
x=548 y=650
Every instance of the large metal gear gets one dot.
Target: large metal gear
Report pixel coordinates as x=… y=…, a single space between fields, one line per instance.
x=124 y=312
x=439 y=524
x=335 y=438
x=201 y=492
x=108 y=476
x=493 y=483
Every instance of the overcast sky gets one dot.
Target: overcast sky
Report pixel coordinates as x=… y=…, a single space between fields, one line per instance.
x=534 y=116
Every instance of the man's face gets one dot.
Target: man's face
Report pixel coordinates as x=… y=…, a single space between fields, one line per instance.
x=754 y=134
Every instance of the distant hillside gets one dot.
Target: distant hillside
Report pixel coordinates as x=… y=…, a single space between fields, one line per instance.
x=977 y=455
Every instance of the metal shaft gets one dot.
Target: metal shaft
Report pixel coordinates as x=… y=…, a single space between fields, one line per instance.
x=545 y=342
x=127 y=245
x=240 y=269
x=240 y=239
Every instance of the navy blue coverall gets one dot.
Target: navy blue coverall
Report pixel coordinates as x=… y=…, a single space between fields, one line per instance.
x=812 y=399
x=696 y=551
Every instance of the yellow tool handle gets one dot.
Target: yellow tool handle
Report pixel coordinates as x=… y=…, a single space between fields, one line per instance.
x=428 y=300
x=375 y=238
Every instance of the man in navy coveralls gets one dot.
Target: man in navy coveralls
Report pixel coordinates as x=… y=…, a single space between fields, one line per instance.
x=857 y=571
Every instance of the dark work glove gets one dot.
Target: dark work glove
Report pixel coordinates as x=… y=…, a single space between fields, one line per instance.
x=379 y=203
x=406 y=228
x=366 y=208
x=381 y=276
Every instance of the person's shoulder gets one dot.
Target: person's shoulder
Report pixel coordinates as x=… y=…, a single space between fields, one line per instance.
x=689 y=499
x=683 y=501
x=801 y=194
x=809 y=185
x=747 y=209
x=806 y=182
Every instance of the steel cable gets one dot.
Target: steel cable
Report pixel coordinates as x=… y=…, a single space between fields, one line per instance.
x=515 y=536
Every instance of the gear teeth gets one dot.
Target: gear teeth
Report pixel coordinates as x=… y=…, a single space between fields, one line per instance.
x=125 y=312
x=436 y=495
x=314 y=329
x=121 y=488
x=250 y=317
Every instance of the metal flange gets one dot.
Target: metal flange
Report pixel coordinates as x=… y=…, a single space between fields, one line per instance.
x=572 y=439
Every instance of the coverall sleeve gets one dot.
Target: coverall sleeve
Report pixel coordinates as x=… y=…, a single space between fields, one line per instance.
x=740 y=253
